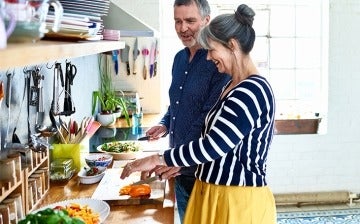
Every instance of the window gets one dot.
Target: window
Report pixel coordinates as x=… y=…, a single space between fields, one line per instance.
x=291 y=52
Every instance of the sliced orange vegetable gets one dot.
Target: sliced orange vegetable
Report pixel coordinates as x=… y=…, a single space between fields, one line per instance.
x=136 y=190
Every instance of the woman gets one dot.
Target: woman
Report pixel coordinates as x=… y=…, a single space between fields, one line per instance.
x=231 y=155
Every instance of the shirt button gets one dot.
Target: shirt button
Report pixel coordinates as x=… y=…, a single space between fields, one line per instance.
x=173 y=118
x=186 y=72
x=180 y=87
x=171 y=132
x=177 y=102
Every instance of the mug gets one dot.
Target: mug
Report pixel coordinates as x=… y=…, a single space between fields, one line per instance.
x=30 y=16
x=5 y=31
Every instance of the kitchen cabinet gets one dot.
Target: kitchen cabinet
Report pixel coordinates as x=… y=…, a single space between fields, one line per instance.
x=22 y=54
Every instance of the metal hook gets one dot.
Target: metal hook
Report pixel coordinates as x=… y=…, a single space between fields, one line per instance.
x=47 y=65
x=25 y=70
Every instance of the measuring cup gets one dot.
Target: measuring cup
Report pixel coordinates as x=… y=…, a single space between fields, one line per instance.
x=30 y=16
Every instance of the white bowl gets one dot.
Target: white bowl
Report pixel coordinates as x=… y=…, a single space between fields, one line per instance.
x=98 y=159
x=84 y=179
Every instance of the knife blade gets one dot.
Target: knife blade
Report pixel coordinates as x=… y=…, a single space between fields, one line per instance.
x=145 y=138
x=136 y=52
x=125 y=57
x=155 y=59
x=147 y=180
x=152 y=60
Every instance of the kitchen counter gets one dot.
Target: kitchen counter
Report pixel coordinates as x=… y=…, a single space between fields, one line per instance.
x=129 y=214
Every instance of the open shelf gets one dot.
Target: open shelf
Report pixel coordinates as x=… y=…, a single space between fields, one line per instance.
x=21 y=54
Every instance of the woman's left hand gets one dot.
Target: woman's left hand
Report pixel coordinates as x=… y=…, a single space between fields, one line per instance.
x=143 y=164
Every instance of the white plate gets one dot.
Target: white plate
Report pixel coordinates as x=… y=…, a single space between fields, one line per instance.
x=121 y=155
x=98 y=206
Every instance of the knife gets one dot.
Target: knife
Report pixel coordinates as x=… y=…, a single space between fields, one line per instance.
x=145 y=138
x=152 y=60
x=125 y=57
x=136 y=52
x=147 y=180
x=155 y=59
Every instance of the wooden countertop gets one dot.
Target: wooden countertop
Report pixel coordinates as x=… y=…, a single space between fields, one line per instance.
x=129 y=214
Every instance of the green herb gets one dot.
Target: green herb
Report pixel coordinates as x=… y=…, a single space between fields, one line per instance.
x=120 y=147
x=50 y=216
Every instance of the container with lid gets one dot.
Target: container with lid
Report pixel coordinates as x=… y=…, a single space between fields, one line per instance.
x=11 y=204
x=61 y=169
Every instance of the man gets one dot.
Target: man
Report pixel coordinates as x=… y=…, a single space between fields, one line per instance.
x=196 y=86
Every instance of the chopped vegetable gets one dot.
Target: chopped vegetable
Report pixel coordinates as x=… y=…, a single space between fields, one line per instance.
x=50 y=216
x=136 y=190
x=92 y=171
x=120 y=147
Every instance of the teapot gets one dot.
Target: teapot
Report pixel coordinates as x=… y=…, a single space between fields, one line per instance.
x=5 y=32
x=30 y=16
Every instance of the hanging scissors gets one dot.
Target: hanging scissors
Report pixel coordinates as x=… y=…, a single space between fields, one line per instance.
x=70 y=73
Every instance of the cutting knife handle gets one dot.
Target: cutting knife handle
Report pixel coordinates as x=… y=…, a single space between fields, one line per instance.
x=128 y=68
x=155 y=68
x=144 y=72
x=134 y=68
x=151 y=70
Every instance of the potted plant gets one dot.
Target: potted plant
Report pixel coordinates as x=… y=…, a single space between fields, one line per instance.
x=110 y=103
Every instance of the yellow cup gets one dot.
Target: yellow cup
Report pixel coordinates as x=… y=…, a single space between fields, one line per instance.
x=68 y=151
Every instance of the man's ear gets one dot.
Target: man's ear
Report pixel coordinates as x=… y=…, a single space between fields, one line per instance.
x=207 y=19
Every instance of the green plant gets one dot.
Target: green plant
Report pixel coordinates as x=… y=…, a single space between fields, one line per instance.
x=109 y=101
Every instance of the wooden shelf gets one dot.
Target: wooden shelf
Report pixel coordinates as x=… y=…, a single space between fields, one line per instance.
x=21 y=54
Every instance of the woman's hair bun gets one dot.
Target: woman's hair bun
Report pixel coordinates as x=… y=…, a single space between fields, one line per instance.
x=244 y=15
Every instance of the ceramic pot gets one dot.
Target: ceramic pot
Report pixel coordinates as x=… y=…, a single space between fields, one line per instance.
x=106 y=119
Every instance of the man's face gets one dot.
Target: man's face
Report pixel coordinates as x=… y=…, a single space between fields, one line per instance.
x=188 y=23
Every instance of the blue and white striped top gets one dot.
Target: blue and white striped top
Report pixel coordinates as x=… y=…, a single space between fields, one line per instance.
x=235 y=139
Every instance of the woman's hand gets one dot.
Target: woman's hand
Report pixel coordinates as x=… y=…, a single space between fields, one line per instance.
x=143 y=164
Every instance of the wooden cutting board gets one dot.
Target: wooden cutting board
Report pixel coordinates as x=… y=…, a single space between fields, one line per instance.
x=110 y=185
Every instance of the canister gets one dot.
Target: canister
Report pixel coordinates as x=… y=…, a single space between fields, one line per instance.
x=42 y=175
x=46 y=173
x=19 y=205
x=11 y=204
x=5 y=212
x=30 y=197
x=32 y=183
x=39 y=184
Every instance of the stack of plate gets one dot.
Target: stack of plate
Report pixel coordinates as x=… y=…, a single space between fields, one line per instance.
x=81 y=20
x=111 y=34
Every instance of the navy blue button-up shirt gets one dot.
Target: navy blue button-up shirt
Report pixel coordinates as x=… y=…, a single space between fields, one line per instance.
x=196 y=85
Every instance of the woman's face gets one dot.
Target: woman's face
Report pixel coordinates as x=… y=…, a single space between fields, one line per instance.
x=221 y=56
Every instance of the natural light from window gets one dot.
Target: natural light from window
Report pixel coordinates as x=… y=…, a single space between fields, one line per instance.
x=290 y=50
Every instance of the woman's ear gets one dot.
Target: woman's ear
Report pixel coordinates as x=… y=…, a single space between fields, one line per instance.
x=233 y=44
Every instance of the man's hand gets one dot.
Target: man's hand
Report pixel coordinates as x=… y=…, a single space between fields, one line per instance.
x=156 y=131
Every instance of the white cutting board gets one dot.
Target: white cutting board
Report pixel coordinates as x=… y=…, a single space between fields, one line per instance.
x=110 y=185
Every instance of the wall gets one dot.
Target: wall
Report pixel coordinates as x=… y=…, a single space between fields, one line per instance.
x=328 y=162
x=87 y=76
